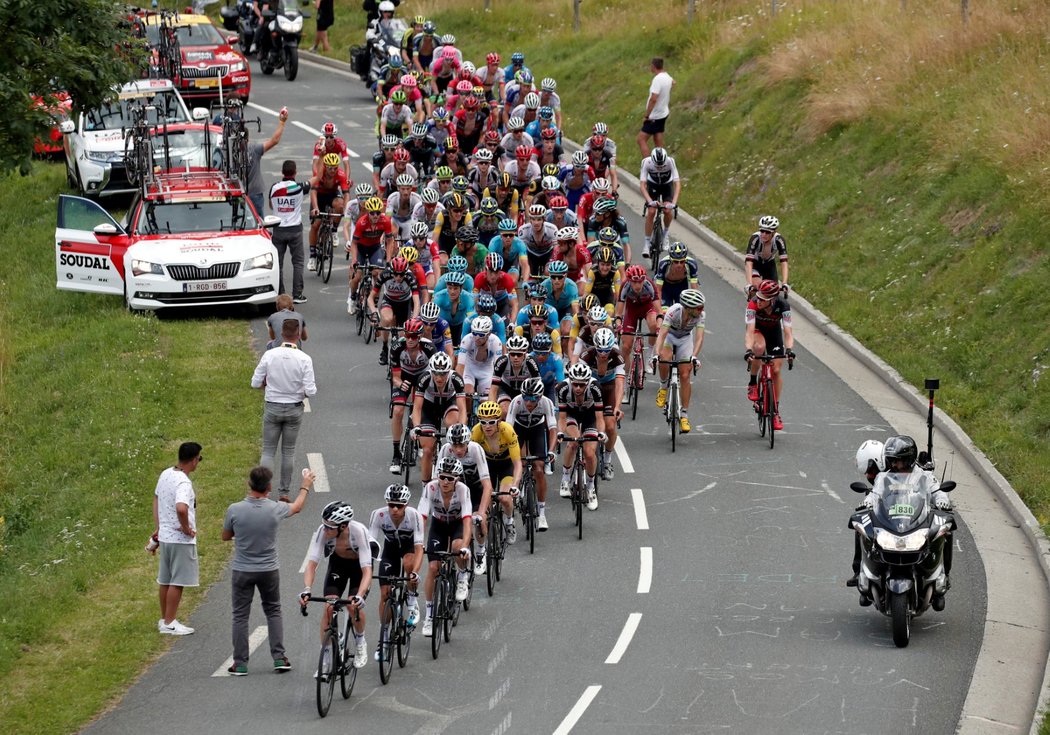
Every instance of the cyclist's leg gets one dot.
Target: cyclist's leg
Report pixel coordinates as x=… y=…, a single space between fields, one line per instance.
x=759 y=349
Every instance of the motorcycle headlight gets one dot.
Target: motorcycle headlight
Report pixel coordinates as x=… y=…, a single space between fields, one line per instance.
x=144 y=267
x=892 y=542
x=259 y=261
x=290 y=25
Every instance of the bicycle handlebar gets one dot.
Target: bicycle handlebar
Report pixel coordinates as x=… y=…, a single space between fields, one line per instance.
x=336 y=603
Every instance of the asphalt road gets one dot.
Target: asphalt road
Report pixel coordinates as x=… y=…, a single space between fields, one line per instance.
x=706 y=596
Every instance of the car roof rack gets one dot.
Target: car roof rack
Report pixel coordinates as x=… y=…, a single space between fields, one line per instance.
x=193 y=184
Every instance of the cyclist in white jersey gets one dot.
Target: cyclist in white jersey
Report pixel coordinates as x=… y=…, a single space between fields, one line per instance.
x=681 y=337
x=477 y=355
x=401 y=528
x=659 y=182
x=476 y=476
x=532 y=414
x=445 y=506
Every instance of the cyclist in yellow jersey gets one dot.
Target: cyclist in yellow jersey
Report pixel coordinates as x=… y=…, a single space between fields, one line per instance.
x=503 y=453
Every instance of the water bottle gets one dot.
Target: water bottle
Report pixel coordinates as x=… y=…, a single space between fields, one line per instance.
x=152 y=544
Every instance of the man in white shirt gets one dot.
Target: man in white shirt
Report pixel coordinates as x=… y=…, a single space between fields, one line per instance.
x=175 y=528
x=657 y=108
x=287 y=374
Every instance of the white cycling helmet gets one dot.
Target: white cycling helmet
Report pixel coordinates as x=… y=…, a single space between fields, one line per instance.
x=399 y=494
x=429 y=312
x=387 y=7
x=430 y=196
x=692 y=298
x=482 y=325
x=868 y=453
x=579 y=158
x=517 y=344
x=578 y=372
x=568 y=233
x=440 y=362
x=364 y=191
x=337 y=513
x=601 y=184
x=598 y=314
x=604 y=339
x=532 y=101
x=769 y=222
x=537 y=210
x=420 y=229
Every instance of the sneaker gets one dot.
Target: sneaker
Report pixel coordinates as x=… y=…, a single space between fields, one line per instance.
x=382 y=356
x=282 y=664
x=160 y=624
x=548 y=468
x=413 y=615
x=752 y=392
x=361 y=654
x=512 y=533
x=684 y=426
x=564 y=491
x=311 y=264
x=176 y=628
x=661 y=398
x=479 y=569
x=395 y=464
x=607 y=471
x=592 y=500
x=240 y=670
x=428 y=628
x=300 y=299
x=462 y=589
x=541 y=522
x=778 y=425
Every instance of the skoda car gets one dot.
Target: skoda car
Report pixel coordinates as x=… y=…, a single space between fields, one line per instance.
x=211 y=67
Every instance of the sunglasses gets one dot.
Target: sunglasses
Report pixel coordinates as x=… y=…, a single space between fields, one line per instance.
x=488 y=422
x=395 y=505
x=578 y=385
x=506 y=234
x=447 y=478
x=557 y=278
x=411 y=336
x=533 y=399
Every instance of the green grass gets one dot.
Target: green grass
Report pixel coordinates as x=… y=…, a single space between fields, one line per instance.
x=93 y=404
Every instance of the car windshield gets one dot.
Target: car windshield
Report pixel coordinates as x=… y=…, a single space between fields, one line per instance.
x=116 y=114
x=172 y=218
x=187 y=147
x=197 y=34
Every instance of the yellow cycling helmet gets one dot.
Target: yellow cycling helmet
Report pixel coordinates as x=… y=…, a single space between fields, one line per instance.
x=489 y=410
x=589 y=301
x=374 y=204
x=409 y=253
x=331 y=159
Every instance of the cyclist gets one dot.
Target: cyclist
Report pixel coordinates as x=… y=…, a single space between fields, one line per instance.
x=409 y=359
x=355 y=208
x=581 y=412
x=514 y=139
x=476 y=477
x=461 y=186
x=506 y=196
x=523 y=169
x=503 y=455
x=764 y=248
x=549 y=98
x=423 y=45
x=500 y=284
x=485 y=305
x=560 y=215
x=454 y=216
x=637 y=303
x=660 y=187
x=451 y=156
x=511 y=248
x=428 y=212
x=576 y=179
x=549 y=151
x=539 y=237
x=532 y=415
x=346 y=545
x=445 y=68
x=402 y=203
x=389 y=76
x=537 y=308
x=602 y=278
x=330 y=143
x=398 y=166
x=326 y=195
x=675 y=273
x=487 y=220
x=600 y=189
x=454 y=303
x=606 y=215
x=477 y=356
x=446 y=504
x=517 y=64
x=383 y=158
x=411 y=256
x=470 y=122
x=607 y=367
x=414 y=99
x=422 y=148
x=572 y=252
x=601 y=156
x=456 y=264
x=490 y=142
x=439 y=398
x=595 y=317
x=563 y=295
x=401 y=529
x=428 y=255
x=681 y=337
x=767 y=332
x=408 y=40
x=435 y=328
x=440 y=127
x=511 y=371
x=397 y=295
x=467 y=247
x=396 y=117
x=373 y=236
x=552 y=369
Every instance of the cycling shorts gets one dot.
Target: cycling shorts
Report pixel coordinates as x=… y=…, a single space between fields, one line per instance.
x=402 y=309
x=500 y=469
x=583 y=419
x=391 y=561
x=636 y=313
x=440 y=536
x=400 y=397
x=325 y=199
x=478 y=375
x=533 y=439
x=370 y=254
x=342 y=572
x=434 y=414
x=683 y=346
x=660 y=191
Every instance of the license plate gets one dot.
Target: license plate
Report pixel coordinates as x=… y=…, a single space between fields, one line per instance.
x=204 y=287
x=204 y=83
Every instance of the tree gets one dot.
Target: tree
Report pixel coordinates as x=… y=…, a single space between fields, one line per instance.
x=83 y=47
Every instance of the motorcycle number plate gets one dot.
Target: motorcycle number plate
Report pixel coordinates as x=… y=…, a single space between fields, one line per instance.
x=204 y=83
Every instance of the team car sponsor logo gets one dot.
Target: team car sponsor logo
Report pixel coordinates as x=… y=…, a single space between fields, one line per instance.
x=201 y=247
x=84 y=261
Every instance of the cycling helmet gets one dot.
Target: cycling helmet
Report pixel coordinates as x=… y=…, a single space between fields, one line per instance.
x=605 y=254
x=532 y=387
x=447 y=40
x=635 y=273
x=389 y=141
x=659 y=156
x=328 y=129
x=336 y=514
x=557 y=268
x=331 y=160
x=467 y=234
x=467 y=69
x=470 y=103
x=769 y=222
x=588 y=302
x=869 y=457
x=538 y=311
x=458 y=434
x=608 y=236
x=463 y=86
x=550 y=169
x=601 y=185
x=503 y=180
x=597 y=315
x=454 y=200
x=542 y=342
x=550 y=183
x=578 y=372
x=396 y=62
x=522 y=151
x=517 y=58
x=483 y=155
x=692 y=298
x=489 y=410
x=517 y=344
x=460 y=184
x=489 y=207
x=398 y=265
x=444 y=173
x=485 y=303
x=605 y=206
x=492 y=58
x=450 y=466
x=440 y=362
x=413 y=326
x=525 y=78
x=569 y=233
x=419 y=130
x=494 y=262
x=440 y=114
x=373 y=205
x=515 y=123
x=429 y=312
x=678 y=251
x=451 y=143
x=532 y=100
x=491 y=136
x=386 y=7
x=397 y=494
x=409 y=253
x=548 y=134
x=604 y=339
x=402 y=156
x=558 y=202
x=419 y=230
x=455 y=278
x=600 y=128
x=545 y=113
x=899 y=450
x=430 y=196
x=398 y=97
x=481 y=326
x=768 y=290
x=419 y=20
x=537 y=210
x=507 y=225
x=579 y=159
x=408 y=82
x=456 y=264
x=548 y=84
x=405 y=180
x=429 y=28
x=364 y=191
x=597 y=141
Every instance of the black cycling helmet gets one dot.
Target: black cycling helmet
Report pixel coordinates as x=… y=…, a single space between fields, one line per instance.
x=899 y=450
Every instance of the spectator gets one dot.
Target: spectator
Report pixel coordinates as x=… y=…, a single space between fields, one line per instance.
x=325 y=19
x=175 y=524
x=256 y=192
x=287 y=375
x=252 y=526
x=657 y=108
x=285 y=310
x=286 y=201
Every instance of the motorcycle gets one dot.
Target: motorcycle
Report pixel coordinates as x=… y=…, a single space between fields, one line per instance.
x=902 y=548
x=383 y=41
x=285 y=26
x=241 y=19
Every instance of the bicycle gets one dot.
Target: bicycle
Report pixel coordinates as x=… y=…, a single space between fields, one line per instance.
x=636 y=374
x=339 y=660
x=361 y=300
x=394 y=332
x=768 y=405
x=325 y=257
x=526 y=502
x=394 y=631
x=235 y=157
x=673 y=406
x=495 y=542
x=578 y=473
x=658 y=239
x=445 y=608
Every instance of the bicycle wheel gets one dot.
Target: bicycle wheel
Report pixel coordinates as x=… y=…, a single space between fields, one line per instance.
x=672 y=415
x=386 y=649
x=636 y=382
x=532 y=513
x=452 y=608
x=490 y=552
x=328 y=256
x=581 y=495
x=438 y=625
x=501 y=547
x=347 y=673
x=408 y=456
x=470 y=594
x=326 y=671
x=360 y=317
x=763 y=411
x=403 y=637
x=771 y=412
x=324 y=242
x=656 y=244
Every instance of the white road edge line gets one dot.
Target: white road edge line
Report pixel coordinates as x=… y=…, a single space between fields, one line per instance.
x=296 y=123
x=625 y=638
x=578 y=709
x=645 y=570
x=621 y=454
x=316 y=462
x=258 y=636
x=641 y=518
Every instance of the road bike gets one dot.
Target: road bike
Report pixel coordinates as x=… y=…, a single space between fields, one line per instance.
x=578 y=478
x=495 y=542
x=325 y=237
x=658 y=242
x=767 y=406
x=361 y=315
x=409 y=447
x=445 y=607
x=673 y=406
x=636 y=374
x=526 y=501
x=337 y=655
x=395 y=634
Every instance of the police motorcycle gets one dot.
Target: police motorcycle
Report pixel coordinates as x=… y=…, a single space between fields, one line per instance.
x=382 y=41
x=283 y=21
x=241 y=18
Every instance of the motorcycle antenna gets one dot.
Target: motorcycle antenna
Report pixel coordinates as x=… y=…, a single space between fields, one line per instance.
x=932 y=384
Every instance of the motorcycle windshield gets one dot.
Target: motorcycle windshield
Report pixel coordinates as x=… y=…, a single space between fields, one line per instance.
x=902 y=500
x=393 y=30
x=286 y=7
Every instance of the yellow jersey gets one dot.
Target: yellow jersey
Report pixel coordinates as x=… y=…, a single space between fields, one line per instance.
x=503 y=447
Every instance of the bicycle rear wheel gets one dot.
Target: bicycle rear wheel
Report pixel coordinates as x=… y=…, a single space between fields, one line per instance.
x=348 y=674
x=326 y=674
x=438 y=620
x=452 y=608
x=772 y=410
x=386 y=650
x=404 y=638
x=328 y=256
x=501 y=547
x=580 y=490
x=490 y=552
x=672 y=415
x=763 y=408
x=636 y=385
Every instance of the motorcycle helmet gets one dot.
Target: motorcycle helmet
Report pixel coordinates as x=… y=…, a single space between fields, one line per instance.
x=869 y=457
x=387 y=7
x=899 y=454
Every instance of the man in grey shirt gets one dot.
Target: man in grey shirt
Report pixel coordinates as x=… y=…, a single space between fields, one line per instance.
x=252 y=525
x=256 y=189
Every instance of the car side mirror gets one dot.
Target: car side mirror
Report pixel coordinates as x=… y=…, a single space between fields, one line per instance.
x=106 y=229
x=66 y=127
x=233 y=40
x=271 y=220
x=859 y=487
x=199 y=114
x=947 y=487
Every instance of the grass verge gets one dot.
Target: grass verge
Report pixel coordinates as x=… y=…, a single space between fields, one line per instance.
x=94 y=403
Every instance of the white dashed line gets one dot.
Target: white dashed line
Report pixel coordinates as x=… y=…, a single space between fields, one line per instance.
x=645 y=570
x=258 y=636
x=578 y=709
x=303 y=126
x=316 y=462
x=366 y=166
x=641 y=518
x=621 y=454
x=307 y=128
x=625 y=638
x=832 y=493
x=306 y=405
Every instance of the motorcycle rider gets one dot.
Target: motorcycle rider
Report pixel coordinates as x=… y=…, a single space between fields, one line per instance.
x=869 y=464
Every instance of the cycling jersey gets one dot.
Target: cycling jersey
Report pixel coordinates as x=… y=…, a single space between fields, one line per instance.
x=354 y=540
x=338 y=145
x=505 y=444
x=522 y=176
x=475 y=468
x=508 y=379
x=552 y=317
x=422 y=152
x=331 y=183
x=541 y=244
x=456 y=507
x=768 y=321
x=463 y=307
x=510 y=70
x=440 y=334
x=578 y=262
x=520 y=415
x=477 y=358
x=562 y=302
x=606 y=287
x=395 y=205
x=445 y=230
x=658 y=175
x=403 y=536
x=511 y=254
x=428 y=214
x=397 y=118
x=618 y=223
x=391 y=289
x=618 y=256
x=428 y=388
x=678 y=326
x=671 y=288
x=371 y=234
x=588 y=402
x=646 y=295
x=508 y=201
x=286 y=200
x=500 y=290
x=510 y=142
x=390 y=173
x=410 y=365
x=614 y=365
x=552 y=371
x=482 y=185
x=499 y=324
x=765 y=256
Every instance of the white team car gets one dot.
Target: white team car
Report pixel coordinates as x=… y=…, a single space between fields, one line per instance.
x=189 y=239
x=95 y=143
